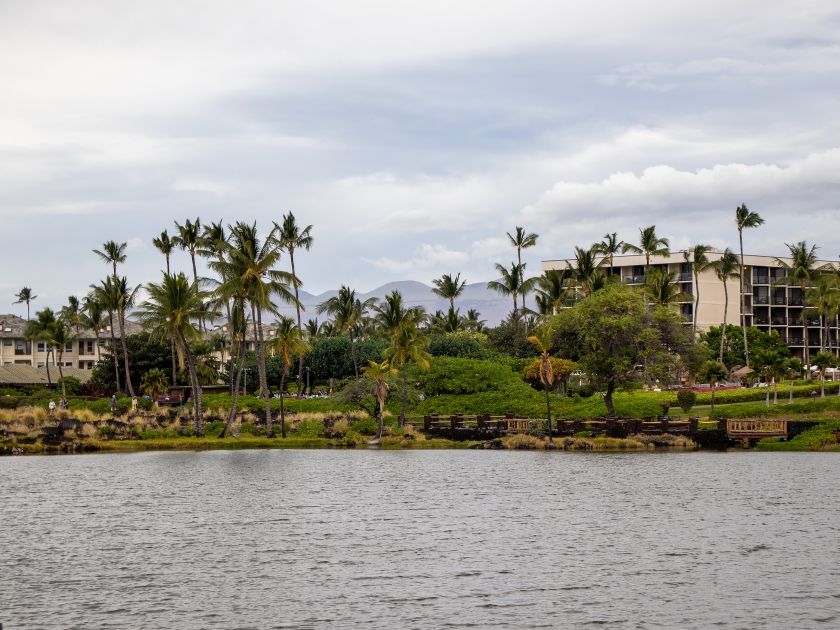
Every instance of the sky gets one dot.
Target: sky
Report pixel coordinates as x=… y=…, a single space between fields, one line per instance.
x=413 y=135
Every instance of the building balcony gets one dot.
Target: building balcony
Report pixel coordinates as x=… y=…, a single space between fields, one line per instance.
x=748 y=310
x=779 y=321
x=794 y=341
x=635 y=279
x=761 y=299
x=779 y=301
x=795 y=301
x=761 y=319
x=761 y=280
x=686 y=277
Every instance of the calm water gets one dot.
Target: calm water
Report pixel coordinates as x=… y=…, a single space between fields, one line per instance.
x=413 y=539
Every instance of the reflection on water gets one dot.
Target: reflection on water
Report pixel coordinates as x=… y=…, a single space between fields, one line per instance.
x=419 y=539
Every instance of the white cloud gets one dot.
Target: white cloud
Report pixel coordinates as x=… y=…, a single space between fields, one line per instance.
x=200 y=185
x=135 y=245
x=426 y=258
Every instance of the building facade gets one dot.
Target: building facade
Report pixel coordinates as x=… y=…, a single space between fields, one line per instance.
x=768 y=305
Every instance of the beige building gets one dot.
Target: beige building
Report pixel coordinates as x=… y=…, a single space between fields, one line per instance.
x=767 y=307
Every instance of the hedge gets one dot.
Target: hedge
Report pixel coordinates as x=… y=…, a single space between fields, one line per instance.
x=782 y=409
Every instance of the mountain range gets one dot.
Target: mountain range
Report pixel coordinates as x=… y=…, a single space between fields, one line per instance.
x=493 y=307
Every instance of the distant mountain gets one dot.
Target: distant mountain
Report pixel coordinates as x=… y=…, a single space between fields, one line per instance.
x=492 y=307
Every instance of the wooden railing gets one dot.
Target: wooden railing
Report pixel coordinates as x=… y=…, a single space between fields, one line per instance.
x=756 y=428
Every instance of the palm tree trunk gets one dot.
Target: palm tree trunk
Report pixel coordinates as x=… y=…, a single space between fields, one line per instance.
x=353 y=354
x=232 y=415
x=198 y=412
x=775 y=392
x=269 y=426
x=806 y=340
x=174 y=364
x=114 y=352
x=282 y=408
x=713 y=396
x=128 y=384
x=723 y=327
x=743 y=305
x=61 y=373
x=696 y=298
x=381 y=416
x=547 y=404
x=47 y=364
x=515 y=327
x=790 y=400
x=401 y=421
x=822 y=383
x=300 y=330
x=767 y=397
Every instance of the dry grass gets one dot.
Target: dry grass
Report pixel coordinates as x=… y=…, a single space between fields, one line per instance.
x=410 y=430
x=523 y=441
x=88 y=430
x=84 y=415
x=665 y=440
x=601 y=444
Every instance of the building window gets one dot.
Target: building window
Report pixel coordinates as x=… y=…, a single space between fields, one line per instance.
x=69 y=348
x=40 y=364
x=8 y=342
x=90 y=347
x=42 y=346
x=101 y=343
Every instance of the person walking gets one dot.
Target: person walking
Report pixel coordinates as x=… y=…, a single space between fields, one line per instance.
x=113 y=403
x=134 y=403
x=52 y=406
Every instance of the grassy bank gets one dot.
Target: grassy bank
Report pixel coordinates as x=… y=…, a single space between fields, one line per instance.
x=820 y=438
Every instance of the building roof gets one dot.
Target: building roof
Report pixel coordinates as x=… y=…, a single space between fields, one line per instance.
x=28 y=375
x=15 y=327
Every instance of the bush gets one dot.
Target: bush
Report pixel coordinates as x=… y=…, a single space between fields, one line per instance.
x=456 y=345
x=149 y=434
x=448 y=375
x=310 y=429
x=365 y=426
x=72 y=386
x=686 y=399
x=214 y=429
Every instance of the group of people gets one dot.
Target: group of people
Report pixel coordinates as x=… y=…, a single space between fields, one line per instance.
x=62 y=405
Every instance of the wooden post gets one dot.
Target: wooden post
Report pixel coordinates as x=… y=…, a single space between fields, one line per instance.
x=692 y=425
x=427 y=423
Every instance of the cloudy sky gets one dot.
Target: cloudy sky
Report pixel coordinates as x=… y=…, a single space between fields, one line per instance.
x=412 y=135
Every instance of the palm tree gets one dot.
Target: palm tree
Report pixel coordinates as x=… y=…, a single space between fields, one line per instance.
x=189 y=239
x=72 y=313
x=698 y=264
x=714 y=372
x=170 y=311
x=793 y=366
x=649 y=245
x=767 y=361
x=287 y=343
x=542 y=343
x=107 y=295
x=726 y=269
x=824 y=297
x=311 y=329
x=587 y=271
x=474 y=322
x=251 y=274
x=238 y=326
x=212 y=245
x=347 y=311
x=112 y=253
x=165 y=245
x=551 y=288
x=94 y=317
x=512 y=284
x=39 y=329
x=449 y=288
x=290 y=237
x=154 y=384
x=25 y=295
x=745 y=219
x=661 y=288
x=610 y=246
x=407 y=344
x=58 y=335
x=803 y=271
x=520 y=240
x=378 y=373
x=126 y=297
x=823 y=361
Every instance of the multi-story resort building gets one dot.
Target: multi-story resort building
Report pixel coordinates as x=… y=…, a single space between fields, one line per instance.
x=768 y=305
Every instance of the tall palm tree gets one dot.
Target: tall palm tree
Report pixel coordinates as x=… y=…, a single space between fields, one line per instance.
x=107 y=295
x=662 y=288
x=112 y=253
x=39 y=330
x=513 y=280
x=94 y=317
x=311 y=329
x=407 y=344
x=212 y=245
x=824 y=297
x=154 y=383
x=59 y=336
x=251 y=271
x=649 y=245
x=520 y=240
x=744 y=219
x=71 y=314
x=347 y=311
x=126 y=298
x=238 y=325
x=165 y=245
x=699 y=263
x=713 y=371
x=290 y=237
x=25 y=295
x=802 y=271
x=474 y=321
x=542 y=343
x=551 y=286
x=287 y=342
x=726 y=269
x=449 y=288
x=379 y=373
x=767 y=361
x=610 y=246
x=171 y=310
x=189 y=239
x=586 y=271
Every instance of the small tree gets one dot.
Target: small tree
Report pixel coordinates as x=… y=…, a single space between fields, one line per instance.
x=288 y=343
x=542 y=342
x=823 y=361
x=793 y=367
x=686 y=399
x=379 y=373
x=713 y=371
x=154 y=383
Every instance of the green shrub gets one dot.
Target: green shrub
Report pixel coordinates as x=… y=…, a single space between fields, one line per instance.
x=365 y=426
x=249 y=428
x=104 y=430
x=310 y=429
x=214 y=429
x=171 y=434
x=817 y=438
x=448 y=375
x=686 y=399
x=149 y=434
x=9 y=402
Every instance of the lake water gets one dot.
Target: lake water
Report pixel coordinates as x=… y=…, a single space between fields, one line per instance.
x=420 y=539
